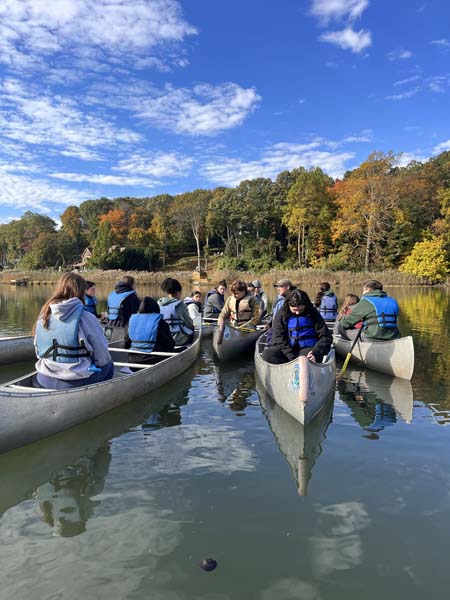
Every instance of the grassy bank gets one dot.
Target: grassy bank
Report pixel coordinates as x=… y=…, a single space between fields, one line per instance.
x=301 y=277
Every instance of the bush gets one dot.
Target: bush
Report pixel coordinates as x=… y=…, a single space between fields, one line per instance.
x=428 y=259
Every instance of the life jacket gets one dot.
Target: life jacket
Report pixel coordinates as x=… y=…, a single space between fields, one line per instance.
x=60 y=342
x=211 y=308
x=387 y=312
x=328 y=307
x=115 y=302
x=90 y=304
x=174 y=322
x=187 y=301
x=301 y=331
x=262 y=302
x=143 y=331
x=244 y=311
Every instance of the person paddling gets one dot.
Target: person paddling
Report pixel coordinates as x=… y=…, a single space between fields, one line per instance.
x=378 y=313
x=71 y=348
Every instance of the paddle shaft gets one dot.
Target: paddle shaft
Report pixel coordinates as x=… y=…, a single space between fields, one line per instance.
x=349 y=354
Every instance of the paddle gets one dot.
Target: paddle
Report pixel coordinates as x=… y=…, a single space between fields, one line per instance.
x=349 y=354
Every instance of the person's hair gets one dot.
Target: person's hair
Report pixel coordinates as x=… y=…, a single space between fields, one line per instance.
x=250 y=285
x=324 y=287
x=89 y=284
x=238 y=286
x=222 y=282
x=195 y=292
x=69 y=285
x=296 y=298
x=171 y=286
x=349 y=300
x=127 y=280
x=372 y=284
x=148 y=305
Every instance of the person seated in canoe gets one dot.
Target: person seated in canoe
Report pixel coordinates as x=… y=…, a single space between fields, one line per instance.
x=175 y=312
x=326 y=302
x=90 y=299
x=298 y=329
x=349 y=302
x=262 y=296
x=378 y=313
x=241 y=309
x=215 y=300
x=148 y=332
x=71 y=348
x=284 y=288
x=122 y=302
x=194 y=305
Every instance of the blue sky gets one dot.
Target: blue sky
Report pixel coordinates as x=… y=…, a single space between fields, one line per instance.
x=140 y=97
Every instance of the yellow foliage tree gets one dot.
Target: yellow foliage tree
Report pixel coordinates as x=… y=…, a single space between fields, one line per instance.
x=428 y=259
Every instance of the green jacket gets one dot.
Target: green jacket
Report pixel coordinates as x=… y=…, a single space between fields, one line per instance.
x=362 y=310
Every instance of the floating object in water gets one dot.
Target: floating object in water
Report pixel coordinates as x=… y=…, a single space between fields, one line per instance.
x=208 y=564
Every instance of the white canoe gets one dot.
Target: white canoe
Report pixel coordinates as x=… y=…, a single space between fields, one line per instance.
x=301 y=445
x=394 y=357
x=363 y=389
x=28 y=414
x=300 y=387
x=16 y=348
x=231 y=343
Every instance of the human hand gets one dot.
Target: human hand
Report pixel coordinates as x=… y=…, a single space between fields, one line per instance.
x=311 y=357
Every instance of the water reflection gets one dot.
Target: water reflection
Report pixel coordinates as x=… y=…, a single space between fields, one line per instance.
x=376 y=401
x=301 y=445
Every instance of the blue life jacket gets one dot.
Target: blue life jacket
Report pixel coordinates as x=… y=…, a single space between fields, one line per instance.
x=174 y=322
x=278 y=304
x=115 y=302
x=90 y=304
x=143 y=331
x=60 y=341
x=301 y=331
x=387 y=312
x=328 y=307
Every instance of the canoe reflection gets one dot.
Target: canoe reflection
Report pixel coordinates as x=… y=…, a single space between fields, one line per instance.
x=64 y=472
x=376 y=401
x=235 y=385
x=301 y=445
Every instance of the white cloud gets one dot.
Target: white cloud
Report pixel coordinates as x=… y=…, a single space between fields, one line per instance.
x=442 y=147
x=156 y=165
x=327 y=10
x=404 y=95
x=105 y=179
x=204 y=110
x=279 y=157
x=31 y=30
x=399 y=54
x=439 y=83
x=30 y=117
x=348 y=39
x=35 y=194
x=407 y=157
x=407 y=80
x=442 y=43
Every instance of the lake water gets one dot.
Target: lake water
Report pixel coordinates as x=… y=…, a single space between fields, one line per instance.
x=357 y=506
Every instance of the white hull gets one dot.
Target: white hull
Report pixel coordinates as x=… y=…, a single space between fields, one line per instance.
x=234 y=342
x=300 y=387
x=27 y=414
x=16 y=348
x=301 y=445
x=395 y=357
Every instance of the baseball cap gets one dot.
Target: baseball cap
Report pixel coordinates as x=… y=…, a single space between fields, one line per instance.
x=256 y=283
x=283 y=283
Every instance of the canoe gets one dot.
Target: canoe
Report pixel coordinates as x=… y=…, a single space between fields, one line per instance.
x=301 y=445
x=16 y=348
x=394 y=357
x=363 y=390
x=29 y=468
x=231 y=343
x=300 y=387
x=113 y=334
x=208 y=327
x=28 y=414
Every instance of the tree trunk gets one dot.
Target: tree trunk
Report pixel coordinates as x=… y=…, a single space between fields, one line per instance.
x=299 y=248
x=368 y=244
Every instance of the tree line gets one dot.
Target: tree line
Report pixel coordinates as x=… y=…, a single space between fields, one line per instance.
x=378 y=216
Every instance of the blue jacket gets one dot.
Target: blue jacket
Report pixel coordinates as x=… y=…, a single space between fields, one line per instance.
x=143 y=331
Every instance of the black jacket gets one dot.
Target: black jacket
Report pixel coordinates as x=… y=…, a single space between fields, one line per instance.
x=164 y=339
x=280 y=335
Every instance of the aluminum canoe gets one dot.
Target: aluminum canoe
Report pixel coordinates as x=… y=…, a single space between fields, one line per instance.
x=395 y=357
x=301 y=445
x=300 y=387
x=16 y=348
x=28 y=414
x=231 y=343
